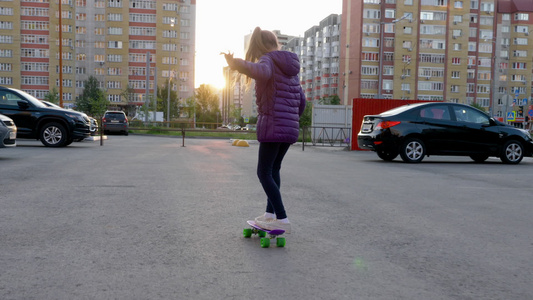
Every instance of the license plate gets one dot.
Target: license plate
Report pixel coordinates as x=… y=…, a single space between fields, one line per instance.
x=367 y=127
x=12 y=135
x=114 y=121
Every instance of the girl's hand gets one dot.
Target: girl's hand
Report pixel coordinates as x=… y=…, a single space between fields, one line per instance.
x=228 y=56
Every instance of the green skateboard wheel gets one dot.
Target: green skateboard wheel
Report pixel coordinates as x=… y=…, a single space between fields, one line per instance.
x=262 y=233
x=280 y=242
x=265 y=242
x=247 y=232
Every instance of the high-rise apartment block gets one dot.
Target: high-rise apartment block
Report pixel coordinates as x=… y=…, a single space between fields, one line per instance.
x=109 y=39
x=475 y=51
x=319 y=52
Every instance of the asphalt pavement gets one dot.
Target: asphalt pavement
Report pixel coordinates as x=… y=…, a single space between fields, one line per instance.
x=142 y=217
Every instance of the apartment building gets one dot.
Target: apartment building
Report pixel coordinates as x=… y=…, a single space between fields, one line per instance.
x=109 y=39
x=472 y=51
x=320 y=58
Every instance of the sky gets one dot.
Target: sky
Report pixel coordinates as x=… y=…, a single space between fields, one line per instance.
x=222 y=24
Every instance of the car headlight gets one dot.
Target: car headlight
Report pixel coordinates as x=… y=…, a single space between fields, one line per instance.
x=527 y=133
x=76 y=117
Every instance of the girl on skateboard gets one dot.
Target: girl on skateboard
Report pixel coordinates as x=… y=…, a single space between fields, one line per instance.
x=280 y=103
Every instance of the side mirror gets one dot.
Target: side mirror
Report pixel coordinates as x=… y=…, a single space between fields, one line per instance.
x=493 y=122
x=23 y=104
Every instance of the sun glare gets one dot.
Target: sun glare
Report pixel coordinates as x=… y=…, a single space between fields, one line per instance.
x=210 y=71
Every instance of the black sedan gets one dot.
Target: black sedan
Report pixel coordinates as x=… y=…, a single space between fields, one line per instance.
x=438 y=128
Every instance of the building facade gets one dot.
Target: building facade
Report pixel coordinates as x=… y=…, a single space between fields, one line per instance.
x=320 y=58
x=444 y=50
x=109 y=39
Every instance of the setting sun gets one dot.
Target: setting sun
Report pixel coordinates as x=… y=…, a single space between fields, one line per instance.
x=209 y=69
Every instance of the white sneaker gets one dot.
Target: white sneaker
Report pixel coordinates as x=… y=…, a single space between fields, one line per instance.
x=264 y=218
x=275 y=224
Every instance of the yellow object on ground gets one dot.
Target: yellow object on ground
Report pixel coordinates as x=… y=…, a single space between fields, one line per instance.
x=242 y=143
x=235 y=142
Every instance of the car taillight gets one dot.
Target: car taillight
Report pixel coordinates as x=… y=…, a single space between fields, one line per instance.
x=103 y=120
x=387 y=124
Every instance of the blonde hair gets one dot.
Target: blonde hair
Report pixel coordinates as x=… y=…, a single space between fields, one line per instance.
x=260 y=43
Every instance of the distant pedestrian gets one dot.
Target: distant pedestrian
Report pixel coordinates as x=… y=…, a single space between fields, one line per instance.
x=280 y=102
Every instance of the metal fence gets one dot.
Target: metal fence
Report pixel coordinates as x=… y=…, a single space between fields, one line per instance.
x=326 y=136
x=332 y=126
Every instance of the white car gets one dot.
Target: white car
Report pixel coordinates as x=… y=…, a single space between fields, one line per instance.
x=8 y=132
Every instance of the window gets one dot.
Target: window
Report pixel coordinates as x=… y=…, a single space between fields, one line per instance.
x=466 y=114
x=520 y=53
x=388 y=85
x=114 y=17
x=114 y=30
x=487 y=7
x=369 y=70
x=521 y=29
x=521 y=17
x=371 y=14
x=115 y=3
x=114 y=44
x=438 y=112
x=370 y=56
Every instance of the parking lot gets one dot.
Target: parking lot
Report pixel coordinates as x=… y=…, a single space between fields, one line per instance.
x=142 y=217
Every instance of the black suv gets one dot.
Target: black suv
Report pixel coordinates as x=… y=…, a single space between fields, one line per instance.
x=115 y=121
x=55 y=127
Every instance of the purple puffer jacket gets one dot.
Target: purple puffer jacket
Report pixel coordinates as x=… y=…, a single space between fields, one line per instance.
x=280 y=98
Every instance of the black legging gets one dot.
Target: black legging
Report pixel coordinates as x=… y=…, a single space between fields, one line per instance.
x=270 y=158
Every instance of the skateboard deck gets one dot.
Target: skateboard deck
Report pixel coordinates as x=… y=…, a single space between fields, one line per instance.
x=265 y=241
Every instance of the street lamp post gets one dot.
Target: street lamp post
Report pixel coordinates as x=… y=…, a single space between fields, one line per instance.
x=172 y=22
x=380 y=71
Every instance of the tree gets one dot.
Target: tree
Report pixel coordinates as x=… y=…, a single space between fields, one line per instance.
x=162 y=94
x=478 y=106
x=92 y=100
x=206 y=104
x=52 y=96
x=307 y=117
x=331 y=100
x=128 y=95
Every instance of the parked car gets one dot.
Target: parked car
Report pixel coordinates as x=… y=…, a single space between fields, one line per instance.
x=94 y=123
x=8 y=132
x=423 y=129
x=115 y=121
x=54 y=127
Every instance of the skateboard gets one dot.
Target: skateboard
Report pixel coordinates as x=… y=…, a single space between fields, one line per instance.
x=265 y=241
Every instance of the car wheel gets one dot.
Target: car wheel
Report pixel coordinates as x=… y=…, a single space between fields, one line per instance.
x=387 y=155
x=479 y=158
x=512 y=152
x=53 y=135
x=413 y=150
